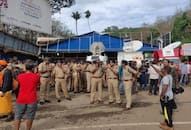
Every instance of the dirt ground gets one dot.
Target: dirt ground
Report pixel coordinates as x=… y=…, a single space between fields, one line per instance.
x=78 y=114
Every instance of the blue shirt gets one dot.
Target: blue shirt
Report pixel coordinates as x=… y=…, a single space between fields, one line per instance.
x=120 y=72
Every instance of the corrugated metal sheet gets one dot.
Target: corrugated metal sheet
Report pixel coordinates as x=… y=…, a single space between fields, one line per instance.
x=7 y=41
x=82 y=43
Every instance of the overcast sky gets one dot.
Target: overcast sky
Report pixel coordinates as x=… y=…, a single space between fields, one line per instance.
x=121 y=13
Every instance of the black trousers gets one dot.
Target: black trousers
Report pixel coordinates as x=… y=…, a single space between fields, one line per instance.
x=153 y=85
x=167 y=107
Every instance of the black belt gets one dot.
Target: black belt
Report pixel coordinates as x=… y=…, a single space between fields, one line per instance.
x=44 y=76
x=112 y=78
x=60 y=78
x=126 y=80
x=97 y=77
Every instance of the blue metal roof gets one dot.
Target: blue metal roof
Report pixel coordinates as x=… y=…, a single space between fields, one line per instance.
x=83 y=42
x=148 y=47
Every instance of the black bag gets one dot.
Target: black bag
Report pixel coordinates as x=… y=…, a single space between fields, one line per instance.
x=178 y=90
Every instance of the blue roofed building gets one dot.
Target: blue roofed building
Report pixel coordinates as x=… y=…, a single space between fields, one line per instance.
x=79 y=46
x=83 y=42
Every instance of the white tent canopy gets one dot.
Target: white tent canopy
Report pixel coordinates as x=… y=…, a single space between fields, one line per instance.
x=46 y=40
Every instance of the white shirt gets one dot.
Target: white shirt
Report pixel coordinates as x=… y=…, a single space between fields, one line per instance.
x=184 y=68
x=153 y=73
x=167 y=80
x=188 y=68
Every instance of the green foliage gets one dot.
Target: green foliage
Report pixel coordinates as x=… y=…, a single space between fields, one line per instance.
x=87 y=14
x=57 y=5
x=182 y=29
x=60 y=29
x=76 y=16
x=133 y=32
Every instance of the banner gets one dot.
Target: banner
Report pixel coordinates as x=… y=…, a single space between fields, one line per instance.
x=167 y=53
x=30 y=14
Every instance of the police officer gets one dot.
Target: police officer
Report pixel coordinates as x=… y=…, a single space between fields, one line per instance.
x=45 y=71
x=70 y=76
x=60 y=81
x=83 y=80
x=112 y=82
x=128 y=81
x=66 y=67
x=88 y=76
x=96 y=82
x=76 y=77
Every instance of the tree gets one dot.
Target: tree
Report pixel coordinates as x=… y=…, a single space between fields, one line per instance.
x=182 y=28
x=76 y=16
x=111 y=29
x=164 y=24
x=87 y=15
x=59 y=29
x=57 y=5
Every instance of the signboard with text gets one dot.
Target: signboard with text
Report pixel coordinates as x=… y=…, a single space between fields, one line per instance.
x=167 y=53
x=186 y=49
x=30 y=14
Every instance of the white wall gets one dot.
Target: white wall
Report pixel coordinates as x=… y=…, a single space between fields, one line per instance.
x=29 y=14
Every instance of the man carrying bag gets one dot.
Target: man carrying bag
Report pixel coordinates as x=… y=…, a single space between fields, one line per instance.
x=166 y=98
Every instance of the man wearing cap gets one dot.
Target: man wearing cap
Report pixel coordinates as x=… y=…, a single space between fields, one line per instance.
x=60 y=81
x=112 y=82
x=45 y=71
x=88 y=76
x=83 y=66
x=68 y=68
x=128 y=81
x=97 y=82
x=76 y=77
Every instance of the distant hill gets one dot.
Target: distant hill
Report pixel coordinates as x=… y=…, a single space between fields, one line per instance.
x=143 y=33
x=179 y=25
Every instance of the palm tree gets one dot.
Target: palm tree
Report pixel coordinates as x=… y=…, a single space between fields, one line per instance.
x=87 y=15
x=76 y=16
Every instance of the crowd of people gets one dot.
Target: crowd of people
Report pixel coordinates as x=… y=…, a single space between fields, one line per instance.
x=90 y=77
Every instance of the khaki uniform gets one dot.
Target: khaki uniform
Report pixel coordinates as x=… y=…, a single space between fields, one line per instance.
x=128 y=81
x=104 y=77
x=113 y=84
x=68 y=77
x=60 y=81
x=22 y=67
x=88 y=77
x=83 y=76
x=76 y=77
x=45 y=72
x=96 y=83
